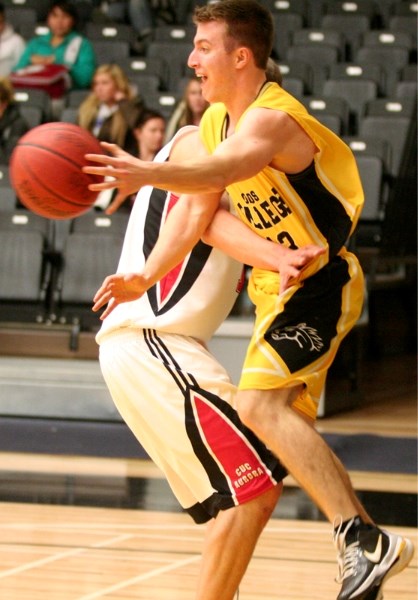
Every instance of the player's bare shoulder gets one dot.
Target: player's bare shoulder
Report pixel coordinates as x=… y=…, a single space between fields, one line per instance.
x=186 y=145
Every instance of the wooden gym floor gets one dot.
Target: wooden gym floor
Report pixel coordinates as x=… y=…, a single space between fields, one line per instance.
x=52 y=547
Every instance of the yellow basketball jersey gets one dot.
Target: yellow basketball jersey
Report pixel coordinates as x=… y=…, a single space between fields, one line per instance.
x=320 y=205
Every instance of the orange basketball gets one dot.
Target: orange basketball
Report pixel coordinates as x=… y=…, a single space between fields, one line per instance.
x=45 y=170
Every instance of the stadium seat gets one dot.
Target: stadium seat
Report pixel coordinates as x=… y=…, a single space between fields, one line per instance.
x=8 y=200
x=69 y=114
x=406 y=24
x=388 y=38
x=285 y=24
x=33 y=97
x=24 y=269
x=110 y=50
x=163 y=102
x=405 y=89
x=281 y=8
x=174 y=33
x=405 y=8
x=110 y=32
x=144 y=82
x=175 y=55
x=355 y=71
x=33 y=115
x=371 y=146
x=96 y=222
x=367 y=8
x=356 y=92
x=4 y=176
x=294 y=86
x=88 y=257
x=391 y=107
x=391 y=59
x=393 y=130
x=351 y=26
x=41 y=7
x=321 y=37
x=299 y=70
x=332 y=112
x=74 y=98
x=371 y=172
x=313 y=54
x=143 y=65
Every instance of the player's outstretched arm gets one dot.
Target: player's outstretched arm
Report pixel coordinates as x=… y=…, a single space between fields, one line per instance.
x=236 y=239
x=265 y=137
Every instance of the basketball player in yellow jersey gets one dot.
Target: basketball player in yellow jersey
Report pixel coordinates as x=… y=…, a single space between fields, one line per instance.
x=293 y=181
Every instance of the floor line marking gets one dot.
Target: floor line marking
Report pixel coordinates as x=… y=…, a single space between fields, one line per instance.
x=61 y=555
x=143 y=577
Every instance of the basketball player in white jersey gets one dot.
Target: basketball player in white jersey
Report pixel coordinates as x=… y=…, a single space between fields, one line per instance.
x=177 y=399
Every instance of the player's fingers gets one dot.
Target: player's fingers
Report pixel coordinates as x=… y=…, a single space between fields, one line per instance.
x=101 y=301
x=110 y=307
x=112 y=148
x=104 y=288
x=105 y=185
x=102 y=159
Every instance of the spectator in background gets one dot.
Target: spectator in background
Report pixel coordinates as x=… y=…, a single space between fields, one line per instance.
x=62 y=45
x=149 y=133
x=189 y=110
x=12 y=123
x=112 y=109
x=111 y=113
x=12 y=45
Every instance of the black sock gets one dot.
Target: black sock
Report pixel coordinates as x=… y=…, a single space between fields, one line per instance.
x=356 y=526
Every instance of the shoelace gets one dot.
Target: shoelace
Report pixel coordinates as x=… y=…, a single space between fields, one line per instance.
x=346 y=555
x=348 y=562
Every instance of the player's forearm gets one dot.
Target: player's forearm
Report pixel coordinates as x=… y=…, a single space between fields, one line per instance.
x=182 y=230
x=192 y=177
x=233 y=237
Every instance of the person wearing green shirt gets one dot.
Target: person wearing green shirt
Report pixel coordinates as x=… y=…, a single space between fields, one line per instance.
x=62 y=45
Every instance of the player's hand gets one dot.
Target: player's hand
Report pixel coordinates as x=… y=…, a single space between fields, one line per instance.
x=292 y=263
x=123 y=169
x=118 y=288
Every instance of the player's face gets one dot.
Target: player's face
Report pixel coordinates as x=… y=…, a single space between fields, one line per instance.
x=105 y=88
x=211 y=62
x=60 y=23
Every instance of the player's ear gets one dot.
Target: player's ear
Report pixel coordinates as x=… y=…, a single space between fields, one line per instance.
x=242 y=56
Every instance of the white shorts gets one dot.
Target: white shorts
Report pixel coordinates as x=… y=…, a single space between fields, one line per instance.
x=177 y=400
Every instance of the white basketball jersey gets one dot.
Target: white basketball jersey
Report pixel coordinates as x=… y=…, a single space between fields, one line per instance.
x=194 y=298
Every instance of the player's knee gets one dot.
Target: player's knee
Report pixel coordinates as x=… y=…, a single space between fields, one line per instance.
x=248 y=409
x=257 y=407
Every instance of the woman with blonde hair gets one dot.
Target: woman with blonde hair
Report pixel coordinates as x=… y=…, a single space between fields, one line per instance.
x=112 y=109
x=189 y=110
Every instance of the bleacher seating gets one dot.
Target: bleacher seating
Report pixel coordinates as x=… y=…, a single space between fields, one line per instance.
x=90 y=252
x=351 y=26
x=24 y=267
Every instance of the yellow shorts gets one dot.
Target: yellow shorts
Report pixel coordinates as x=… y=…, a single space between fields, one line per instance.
x=297 y=333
